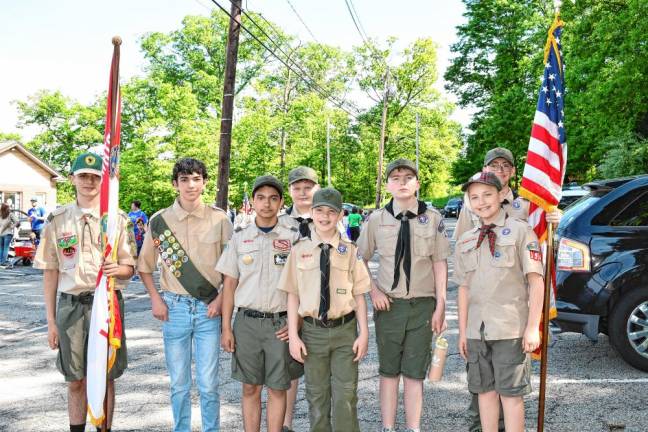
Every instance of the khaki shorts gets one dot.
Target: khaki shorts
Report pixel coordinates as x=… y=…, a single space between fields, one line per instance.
x=404 y=336
x=73 y=323
x=499 y=365
x=259 y=357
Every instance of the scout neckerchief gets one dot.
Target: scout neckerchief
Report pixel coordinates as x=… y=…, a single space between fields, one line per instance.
x=175 y=257
x=403 y=246
x=487 y=231
x=304 y=228
x=325 y=272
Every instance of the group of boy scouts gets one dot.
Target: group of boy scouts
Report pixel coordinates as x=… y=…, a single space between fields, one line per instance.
x=298 y=287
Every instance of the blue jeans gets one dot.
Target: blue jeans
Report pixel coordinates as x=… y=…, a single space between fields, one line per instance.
x=188 y=327
x=5 y=241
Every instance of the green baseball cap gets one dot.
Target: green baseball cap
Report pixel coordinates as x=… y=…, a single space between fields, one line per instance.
x=87 y=162
x=329 y=197
x=499 y=152
x=401 y=163
x=302 y=173
x=267 y=180
x=487 y=178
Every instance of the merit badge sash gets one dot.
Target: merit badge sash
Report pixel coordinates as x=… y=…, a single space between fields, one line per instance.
x=177 y=261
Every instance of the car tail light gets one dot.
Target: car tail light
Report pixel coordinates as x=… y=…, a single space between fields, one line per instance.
x=573 y=256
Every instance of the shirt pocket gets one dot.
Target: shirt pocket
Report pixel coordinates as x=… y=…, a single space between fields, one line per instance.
x=386 y=242
x=340 y=281
x=505 y=251
x=423 y=242
x=308 y=274
x=469 y=256
x=249 y=256
x=209 y=247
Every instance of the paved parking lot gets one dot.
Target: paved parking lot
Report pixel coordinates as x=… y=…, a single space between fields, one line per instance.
x=589 y=387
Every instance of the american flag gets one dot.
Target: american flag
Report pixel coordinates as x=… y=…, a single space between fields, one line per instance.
x=546 y=161
x=247 y=208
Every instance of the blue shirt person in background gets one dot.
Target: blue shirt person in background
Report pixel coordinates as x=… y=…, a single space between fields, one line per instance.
x=37 y=218
x=139 y=220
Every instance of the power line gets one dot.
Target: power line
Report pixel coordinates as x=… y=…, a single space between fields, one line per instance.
x=311 y=84
x=302 y=21
x=358 y=25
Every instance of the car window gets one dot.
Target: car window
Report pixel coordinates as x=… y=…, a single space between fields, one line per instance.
x=578 y=207
x=610 y=213
x=635 y=214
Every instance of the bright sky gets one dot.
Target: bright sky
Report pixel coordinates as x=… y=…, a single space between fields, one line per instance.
x=65 y=44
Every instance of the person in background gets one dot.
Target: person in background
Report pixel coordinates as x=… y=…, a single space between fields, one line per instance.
x=7 y=224
x=355 y=220
x=37 y=218
x=138 y=219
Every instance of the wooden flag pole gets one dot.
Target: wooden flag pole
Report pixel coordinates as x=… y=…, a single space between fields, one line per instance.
x=545 y=327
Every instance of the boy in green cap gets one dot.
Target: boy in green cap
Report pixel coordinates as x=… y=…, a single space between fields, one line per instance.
x=326 y=283
x=70 y=256
x=251 y=266
x=410 y=292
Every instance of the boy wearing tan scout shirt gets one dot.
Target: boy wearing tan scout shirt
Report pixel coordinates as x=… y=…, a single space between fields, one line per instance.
x=188 y=237
x=326 y=283
x=499 y=272
x=409 y=299
x=251 y=266
x=302 y=184
x=70 y=256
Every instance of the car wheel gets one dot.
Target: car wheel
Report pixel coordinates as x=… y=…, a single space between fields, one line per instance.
x=628 y=328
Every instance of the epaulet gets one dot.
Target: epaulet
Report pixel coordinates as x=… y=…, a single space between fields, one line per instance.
x=156 y=214
x=347 y=241
x=57 y=212
x=215 y=207
x=434 y=211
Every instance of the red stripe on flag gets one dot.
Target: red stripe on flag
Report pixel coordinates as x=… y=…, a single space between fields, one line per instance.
x=541 y=163
x=539 y=132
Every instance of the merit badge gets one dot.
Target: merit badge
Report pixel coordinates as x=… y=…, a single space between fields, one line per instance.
x=174 y=257
x=162 y=237
x=516 y=204
x=177 y=273
x=172 y=268
x=342 y=249
x=281 y=245
x=181 y=253
x=169 y=251
x=506 y=231
x=165 y=244
x=177 y=264
x=185 y=259
x=247 y=259
x=423 y=219
x=172 y=239
x=176 y=246
x=167 y=233
x=156 y=242
x=164 y=255
x=280 y=259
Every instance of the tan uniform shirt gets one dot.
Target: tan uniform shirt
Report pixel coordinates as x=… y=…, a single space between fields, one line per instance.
x=517 y=208
x=429 y=244
x=70 y=244
x=497 y=285
x=256 y=259
x=302 y=276
x=202 y=234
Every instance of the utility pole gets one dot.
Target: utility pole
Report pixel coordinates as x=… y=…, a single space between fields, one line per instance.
x=417 y=148
x=381 y=148
x=328 y=151
x=227 y=109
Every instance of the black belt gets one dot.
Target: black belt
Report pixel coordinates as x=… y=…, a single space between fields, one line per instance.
x=85 y=298
x=257 y=314
x=332 y=322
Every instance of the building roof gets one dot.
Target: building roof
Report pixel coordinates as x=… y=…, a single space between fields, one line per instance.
x=11 y=145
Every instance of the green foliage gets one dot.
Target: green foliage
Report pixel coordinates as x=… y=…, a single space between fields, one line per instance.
x=499 y=57
x=627 y=155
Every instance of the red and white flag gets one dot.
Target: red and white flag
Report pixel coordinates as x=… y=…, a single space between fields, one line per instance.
x=105 y=325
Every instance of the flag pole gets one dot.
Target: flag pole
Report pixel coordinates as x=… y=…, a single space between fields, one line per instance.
x=545 y=326
x=114 y=92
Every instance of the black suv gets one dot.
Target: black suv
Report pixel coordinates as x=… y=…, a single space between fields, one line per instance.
x=452 y=207
x=602 y=266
